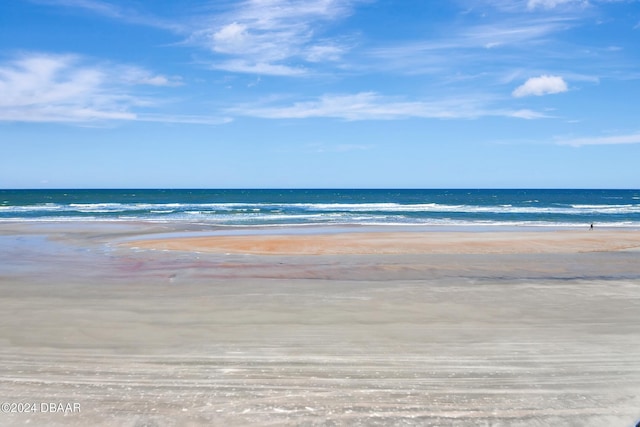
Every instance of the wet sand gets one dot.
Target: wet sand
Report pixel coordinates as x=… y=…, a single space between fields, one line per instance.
x=505 y=242
x=435 y=329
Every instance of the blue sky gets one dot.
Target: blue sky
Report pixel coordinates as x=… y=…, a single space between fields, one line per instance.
x=322 y=93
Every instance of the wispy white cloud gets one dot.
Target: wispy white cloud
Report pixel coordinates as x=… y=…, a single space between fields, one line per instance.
x=94 y=6
x=325 y=52
x=139 y=76
x=183 y=119
x=109 y=10
x=338 y=148
x=291 y=38
x=527 y=114
x=53 y=88
x=551 y=4
x=515 y=32
x=40 y=87
x=498 y=38
x=261 y=68
x=360 y=106
x=275 y=37
x=500 y=46
x=544 y=6
x=268 y=37
x=372 y=106
x=543 y=85
x=633 y=138
x=517 y=6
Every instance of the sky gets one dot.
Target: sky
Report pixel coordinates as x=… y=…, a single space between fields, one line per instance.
x=320 y=94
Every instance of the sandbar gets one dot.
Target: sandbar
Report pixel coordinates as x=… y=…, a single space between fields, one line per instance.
x=528 y=242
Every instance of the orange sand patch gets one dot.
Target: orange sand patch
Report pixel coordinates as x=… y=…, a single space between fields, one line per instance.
x=571 y=241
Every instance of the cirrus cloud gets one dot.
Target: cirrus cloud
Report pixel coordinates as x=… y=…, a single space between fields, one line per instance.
x=550 y=4
x=64 y=88
x=56 y=88
x=273 y=37
x=373 y=106
x=633 y=138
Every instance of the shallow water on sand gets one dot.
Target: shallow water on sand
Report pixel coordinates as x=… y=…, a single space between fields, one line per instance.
x=176 y=338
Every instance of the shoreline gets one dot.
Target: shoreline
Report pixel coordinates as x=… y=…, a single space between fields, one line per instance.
x=331 y=239
x=307 y=228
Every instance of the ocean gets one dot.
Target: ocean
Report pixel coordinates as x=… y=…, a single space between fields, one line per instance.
x=291 y=207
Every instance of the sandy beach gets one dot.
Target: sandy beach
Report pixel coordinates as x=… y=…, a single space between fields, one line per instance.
x=136 y=327
x=505 y=242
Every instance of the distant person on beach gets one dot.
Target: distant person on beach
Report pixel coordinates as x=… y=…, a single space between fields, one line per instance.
x=591 y=228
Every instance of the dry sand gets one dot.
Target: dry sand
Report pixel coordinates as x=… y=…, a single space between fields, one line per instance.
x=428 y=329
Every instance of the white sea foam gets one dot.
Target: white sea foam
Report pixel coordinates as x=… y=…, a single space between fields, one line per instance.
x=321 y=220
x=318 y=207
x=262 y=214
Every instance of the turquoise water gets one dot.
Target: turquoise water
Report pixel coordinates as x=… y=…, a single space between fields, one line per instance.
x=615 y=208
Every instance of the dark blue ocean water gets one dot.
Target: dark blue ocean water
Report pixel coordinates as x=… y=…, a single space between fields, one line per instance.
x=615 y=208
